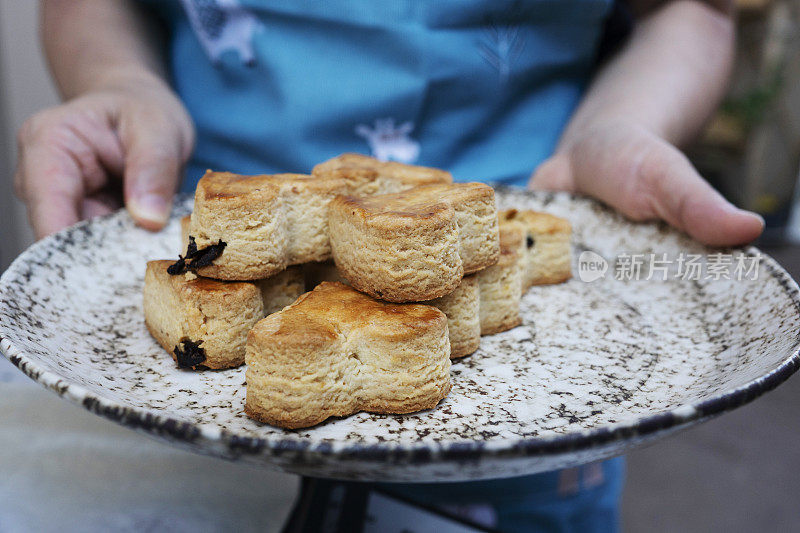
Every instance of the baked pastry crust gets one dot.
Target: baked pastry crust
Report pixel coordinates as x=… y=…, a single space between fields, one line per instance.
x=462 y=307
x=548 y=256
x=483 y=303
x=500 y=285
x=415 y=245
x=216 y=315
x=367 y=176
x=336 y=351
x=277 y=291
x=267 y=222
x=488 y=301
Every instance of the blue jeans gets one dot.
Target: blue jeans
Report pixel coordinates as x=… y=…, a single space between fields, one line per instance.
x=581 y=499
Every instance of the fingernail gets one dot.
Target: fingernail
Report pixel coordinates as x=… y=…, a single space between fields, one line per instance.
x=752 y=214
x=760 y=219
x=150 y=207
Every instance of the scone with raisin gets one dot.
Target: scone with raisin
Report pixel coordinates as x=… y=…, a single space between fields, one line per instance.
x=250 y=227
x=201 y=323
x=260 y=224
x=336 y=351
x=415 y=245
x=547 y=242
x=277 y=291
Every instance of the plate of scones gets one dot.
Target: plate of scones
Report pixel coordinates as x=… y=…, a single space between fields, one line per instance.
x=378 y=321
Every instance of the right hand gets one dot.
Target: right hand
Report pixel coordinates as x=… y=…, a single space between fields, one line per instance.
x=125 y=143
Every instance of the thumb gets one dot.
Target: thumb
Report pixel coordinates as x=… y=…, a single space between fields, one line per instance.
x=681 y=197
x=153 y=167
x=553 y=174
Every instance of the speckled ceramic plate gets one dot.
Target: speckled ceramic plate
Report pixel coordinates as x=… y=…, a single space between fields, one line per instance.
x=597 y=367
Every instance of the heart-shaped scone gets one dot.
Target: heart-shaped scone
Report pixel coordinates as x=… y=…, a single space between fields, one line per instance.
x=414 y=245
x=336 y=351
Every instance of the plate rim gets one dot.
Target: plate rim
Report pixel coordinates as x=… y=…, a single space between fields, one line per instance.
x=208 y=437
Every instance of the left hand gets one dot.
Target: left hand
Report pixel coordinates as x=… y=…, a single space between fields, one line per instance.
x=646 y=178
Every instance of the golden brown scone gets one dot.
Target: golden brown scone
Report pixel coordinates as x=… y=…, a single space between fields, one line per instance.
x=367 y=176
x=462 y=307
x=268 y=222
x=415 y=245
x=277 y=291
x=500 y=285
x=202 y=323
x=548 y=256
x=482 y=304
x=336 y=351
x=265 y=223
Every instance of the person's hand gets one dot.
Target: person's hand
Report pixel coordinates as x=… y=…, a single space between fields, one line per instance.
x=646 y=178
x=124 y=143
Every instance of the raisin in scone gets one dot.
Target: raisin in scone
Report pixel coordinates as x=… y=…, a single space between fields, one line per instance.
x=367 y=176
x=278 y=290
x=548 y=251
x=336 y=351
x=500 y=285
x=415 y=245
x=201 y=323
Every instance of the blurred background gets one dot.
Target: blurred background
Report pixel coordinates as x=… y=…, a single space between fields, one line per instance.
x=25 y=87
x=737 y=473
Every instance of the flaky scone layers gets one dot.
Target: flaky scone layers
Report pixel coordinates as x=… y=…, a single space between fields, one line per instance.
x=279 y=290
x=488 y=301
x=201 y=323
x=265 y=222
x=548 y=255
x=501 y=284
x=336 y=352
x=415 y=245
x=269 y=222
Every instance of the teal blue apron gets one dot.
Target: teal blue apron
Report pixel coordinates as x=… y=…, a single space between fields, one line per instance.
x=482 y=88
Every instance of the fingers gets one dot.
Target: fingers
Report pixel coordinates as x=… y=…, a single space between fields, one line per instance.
x=646 y=178
x=680 y=196
x=50 y=184
x=554 y=174
x=155 y=154
x=64 y=153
